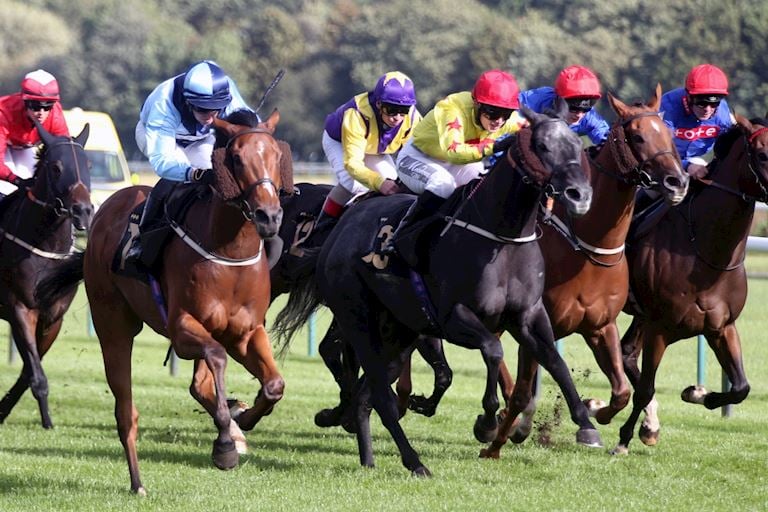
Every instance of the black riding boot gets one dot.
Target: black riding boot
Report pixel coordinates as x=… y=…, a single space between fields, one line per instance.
x=153 y=212
x=419 y=215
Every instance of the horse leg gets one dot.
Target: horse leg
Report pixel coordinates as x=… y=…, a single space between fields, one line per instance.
x=631 y=346
x=463 y=328
x=362 y=406
x=520 y=408
x=256 y=356
x=116 y=326
x=404 y=385
x=534 y=332
x=653 y=346
x=607 y=351
x=203 y=390
x=431 y=349
x=506 y=382
x=331 y=349
x=727 y=348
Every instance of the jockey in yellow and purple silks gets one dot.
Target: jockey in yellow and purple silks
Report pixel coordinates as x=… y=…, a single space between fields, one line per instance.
x=359 y=138
x=448 y=146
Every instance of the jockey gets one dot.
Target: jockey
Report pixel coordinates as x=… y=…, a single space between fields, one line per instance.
x=38 y=99
x=697 y=114
x=359 y=138
x=580 y=88
x=175 y=133
x=448 y=147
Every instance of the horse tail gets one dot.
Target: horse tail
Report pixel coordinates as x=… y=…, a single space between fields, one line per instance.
x=61 y=282
x=304 y=299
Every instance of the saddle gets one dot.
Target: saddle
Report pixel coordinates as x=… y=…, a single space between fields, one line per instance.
x=648 y=212
x=177 y=206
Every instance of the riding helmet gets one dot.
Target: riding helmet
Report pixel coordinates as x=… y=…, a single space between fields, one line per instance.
x=39 y=85
x=706 y=79
x=497 y=88
x=577 y=82
x=206 y=86
x=396 y=88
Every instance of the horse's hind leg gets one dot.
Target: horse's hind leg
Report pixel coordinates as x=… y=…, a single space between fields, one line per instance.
x=431 y=349
x=727 y=348
x=607 y=351
x=203 y=390
x=332 y=351
x=631 y=347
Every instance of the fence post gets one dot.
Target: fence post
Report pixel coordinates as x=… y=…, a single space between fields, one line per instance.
x=312 y=334
x=174 y=363
x=701 y=361
x=537 y=381
x=13 y=352
x=727 y=409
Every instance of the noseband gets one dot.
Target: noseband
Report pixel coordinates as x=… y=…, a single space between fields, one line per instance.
x=241 y=201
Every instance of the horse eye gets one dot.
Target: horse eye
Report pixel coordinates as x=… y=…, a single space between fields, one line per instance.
x=762 y=157
x=542 y=147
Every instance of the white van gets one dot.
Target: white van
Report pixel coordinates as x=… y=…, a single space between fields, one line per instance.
x=109 y=168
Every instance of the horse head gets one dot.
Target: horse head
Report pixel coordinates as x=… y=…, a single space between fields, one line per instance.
x=642 y=146
x=247 y=168
x=755 y=182
x=63 y=177
x=555 y=162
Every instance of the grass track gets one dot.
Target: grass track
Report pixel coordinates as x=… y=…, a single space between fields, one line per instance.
x=703 y=462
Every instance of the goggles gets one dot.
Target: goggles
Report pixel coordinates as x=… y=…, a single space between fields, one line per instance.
x=580 y=105
x=392 y=110
x=38 y=105
x=494 y=113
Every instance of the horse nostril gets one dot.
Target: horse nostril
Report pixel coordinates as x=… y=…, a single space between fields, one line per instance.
x=573 y=194
x=260 y=217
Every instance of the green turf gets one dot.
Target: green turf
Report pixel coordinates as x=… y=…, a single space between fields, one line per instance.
x=703 y=461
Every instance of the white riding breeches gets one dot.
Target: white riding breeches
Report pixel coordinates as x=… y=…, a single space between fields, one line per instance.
x=382 y=164
x=22 y=162
x=420 y=172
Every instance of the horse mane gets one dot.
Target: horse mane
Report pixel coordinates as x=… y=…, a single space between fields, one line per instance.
x=242 y=117
x=725 y=141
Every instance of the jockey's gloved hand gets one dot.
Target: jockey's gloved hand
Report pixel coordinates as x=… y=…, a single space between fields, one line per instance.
x=204 y=176
x=501 y=145
x=22 y=182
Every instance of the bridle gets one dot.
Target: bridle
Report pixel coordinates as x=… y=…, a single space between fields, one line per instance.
x=57 y=204
x=241 y=201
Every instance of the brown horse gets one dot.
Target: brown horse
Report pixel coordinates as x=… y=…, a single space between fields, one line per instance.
x=587 y=274
x=687 y=276
x=214 y=281
x=36 y=230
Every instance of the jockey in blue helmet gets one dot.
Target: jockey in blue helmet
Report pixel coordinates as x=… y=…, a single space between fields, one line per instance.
x=175 y=131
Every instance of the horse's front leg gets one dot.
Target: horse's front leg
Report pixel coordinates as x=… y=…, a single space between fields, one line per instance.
x=256 y=356
x=431 y=349
x=606 y=348
x=534 y=331
x=727 y=348
x=191 y=340
x=463 y=328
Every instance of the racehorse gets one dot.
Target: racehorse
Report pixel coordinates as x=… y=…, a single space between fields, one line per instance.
x=687 y=276
x=212 y=292
x=483 y=275
x=301 y=206
x=587 y=276
x=37 y=238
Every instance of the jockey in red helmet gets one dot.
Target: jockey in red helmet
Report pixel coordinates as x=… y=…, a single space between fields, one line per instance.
x=580 y=88
x=38 y=99
x=359 y=140
x=697 y=114
x=448 y=147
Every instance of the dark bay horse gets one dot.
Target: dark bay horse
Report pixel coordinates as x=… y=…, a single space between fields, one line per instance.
x=587 y=276
x=687 y=276
x=36 y=227
x=214 y=283
x=483 y=275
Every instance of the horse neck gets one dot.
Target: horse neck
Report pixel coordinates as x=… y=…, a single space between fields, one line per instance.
x=504 y=204
x=607 y=222
x=720 y=220
x=39 y=225
x=224 y=230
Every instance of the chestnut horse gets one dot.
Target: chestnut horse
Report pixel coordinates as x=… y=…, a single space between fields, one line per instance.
x=214 y=281
x=688 y=278
x=587 y=275
x=36 y=231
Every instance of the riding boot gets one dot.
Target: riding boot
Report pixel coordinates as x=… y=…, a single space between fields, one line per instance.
x=405 y=238
x=153 y=211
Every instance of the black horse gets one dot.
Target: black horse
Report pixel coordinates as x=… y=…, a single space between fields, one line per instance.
x=301 y=205
x=36 y=230
x=483 y=275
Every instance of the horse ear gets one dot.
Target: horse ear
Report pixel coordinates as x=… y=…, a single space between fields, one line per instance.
x=80 y=139
x=224 y=126
x=529 y=114
x=271 y=121
x=561 y=108
x=46 y=137
x=744 y=123
x=617 y=105
x=654 y=102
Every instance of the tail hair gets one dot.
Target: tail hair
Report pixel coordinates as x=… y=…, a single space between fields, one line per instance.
x=61 y=282
x=304 y=299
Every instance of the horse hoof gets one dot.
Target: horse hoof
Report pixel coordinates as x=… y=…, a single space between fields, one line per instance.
x=140 y=491
x=225 y=455
x=694 y=394
x=483 y=433
x=422 y=405
x=519 y=436
x=236 y=407
x=620 y=450
x=647 y=436
x=490 y=453
x=589 y=437
x=328 y=418
x=421 y=472
x=594 y=405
